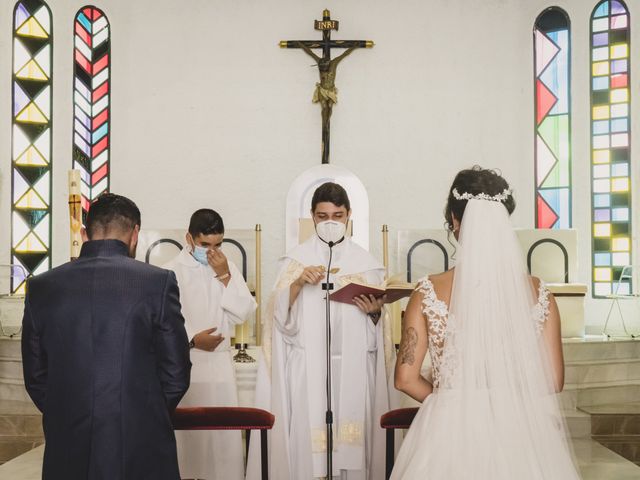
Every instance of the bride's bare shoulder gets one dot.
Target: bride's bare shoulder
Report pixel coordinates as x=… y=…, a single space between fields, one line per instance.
x=442 y=278
x=535 y=281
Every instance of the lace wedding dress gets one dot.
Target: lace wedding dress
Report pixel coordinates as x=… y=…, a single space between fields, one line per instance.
x=493 y=414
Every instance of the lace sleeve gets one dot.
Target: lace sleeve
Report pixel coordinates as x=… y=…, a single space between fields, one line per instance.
x=436 y=313
x=432 y=307
x=541 y=311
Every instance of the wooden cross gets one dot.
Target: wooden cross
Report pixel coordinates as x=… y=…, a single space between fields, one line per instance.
x=326 y=93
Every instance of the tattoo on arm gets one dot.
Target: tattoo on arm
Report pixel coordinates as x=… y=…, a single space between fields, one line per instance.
x=408 y=346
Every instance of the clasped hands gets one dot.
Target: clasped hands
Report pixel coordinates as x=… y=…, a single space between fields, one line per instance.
x=313 y=275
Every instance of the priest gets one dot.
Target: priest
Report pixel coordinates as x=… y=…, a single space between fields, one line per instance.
x=214 y=298
x=292 y=379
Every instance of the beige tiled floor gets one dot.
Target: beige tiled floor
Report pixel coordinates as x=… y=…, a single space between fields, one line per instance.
x=599 y=463
x=25 y=467
x=596 y=463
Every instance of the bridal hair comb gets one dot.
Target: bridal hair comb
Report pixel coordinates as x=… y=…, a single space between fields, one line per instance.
x=500 y=197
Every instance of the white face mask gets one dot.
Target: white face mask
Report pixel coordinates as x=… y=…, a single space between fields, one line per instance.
x=331 y=231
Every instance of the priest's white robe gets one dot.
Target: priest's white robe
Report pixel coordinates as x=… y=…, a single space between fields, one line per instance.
x=207 y=303
x=291 y=381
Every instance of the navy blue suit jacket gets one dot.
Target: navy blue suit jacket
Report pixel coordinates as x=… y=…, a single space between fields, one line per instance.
x=106 y=360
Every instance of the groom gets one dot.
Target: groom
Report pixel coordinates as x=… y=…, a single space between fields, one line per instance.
x=106 y=356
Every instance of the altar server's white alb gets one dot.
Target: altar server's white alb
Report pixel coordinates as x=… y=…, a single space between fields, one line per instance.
x=207 y=303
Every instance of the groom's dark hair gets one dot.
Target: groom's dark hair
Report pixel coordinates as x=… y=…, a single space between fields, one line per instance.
x=330 y=192
x=475 y=180
x=111 y=213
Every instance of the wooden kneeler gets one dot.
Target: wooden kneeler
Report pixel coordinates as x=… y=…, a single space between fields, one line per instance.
x=400 y=418
x=229 y=418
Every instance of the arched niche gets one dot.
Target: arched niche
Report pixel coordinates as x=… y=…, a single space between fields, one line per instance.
x=299 y=201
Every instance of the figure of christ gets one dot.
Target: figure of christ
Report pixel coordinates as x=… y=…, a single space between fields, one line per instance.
x=326 y=92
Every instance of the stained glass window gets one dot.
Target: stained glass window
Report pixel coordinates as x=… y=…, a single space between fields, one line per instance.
x=92 y=85
x=552 y=119
x=31 y=141
x=610 y=146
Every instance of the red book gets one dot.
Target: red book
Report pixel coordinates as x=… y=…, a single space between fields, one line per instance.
x=393 y=291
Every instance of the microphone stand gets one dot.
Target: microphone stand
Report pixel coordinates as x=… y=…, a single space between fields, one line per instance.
x=329 y=413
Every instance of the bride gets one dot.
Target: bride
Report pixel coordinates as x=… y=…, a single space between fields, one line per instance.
x=493 y=333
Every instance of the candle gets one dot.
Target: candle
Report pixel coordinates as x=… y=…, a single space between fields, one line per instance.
x=75 y=214
x=239 y=334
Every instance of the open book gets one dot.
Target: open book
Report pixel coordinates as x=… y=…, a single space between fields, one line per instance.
x=393 y=288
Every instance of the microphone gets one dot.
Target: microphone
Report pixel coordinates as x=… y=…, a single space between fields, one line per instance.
x=329 y=378
x=326 y=285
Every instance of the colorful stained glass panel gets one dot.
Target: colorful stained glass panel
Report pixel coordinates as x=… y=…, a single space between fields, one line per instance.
x=611 y=212
x=553 y=119
x=31 y=140
x=92 y=84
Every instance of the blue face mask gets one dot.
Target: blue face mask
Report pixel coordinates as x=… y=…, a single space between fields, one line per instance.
x=200 y=254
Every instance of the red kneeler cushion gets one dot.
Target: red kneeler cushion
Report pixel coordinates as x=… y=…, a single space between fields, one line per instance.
x=400 y=418
x=222 y=418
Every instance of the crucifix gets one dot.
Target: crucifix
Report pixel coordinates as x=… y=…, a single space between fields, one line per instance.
x=326 y=93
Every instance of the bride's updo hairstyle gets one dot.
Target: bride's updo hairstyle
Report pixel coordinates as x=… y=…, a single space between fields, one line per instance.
x=475 y=181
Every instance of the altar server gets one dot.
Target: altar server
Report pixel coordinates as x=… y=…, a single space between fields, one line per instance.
x=214 y=298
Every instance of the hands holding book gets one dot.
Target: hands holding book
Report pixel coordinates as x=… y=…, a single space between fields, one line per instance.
x=368 y=298
x=371 y=305
x=355 y=293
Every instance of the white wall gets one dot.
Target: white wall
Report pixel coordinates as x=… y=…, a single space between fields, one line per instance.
x=208 y=111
